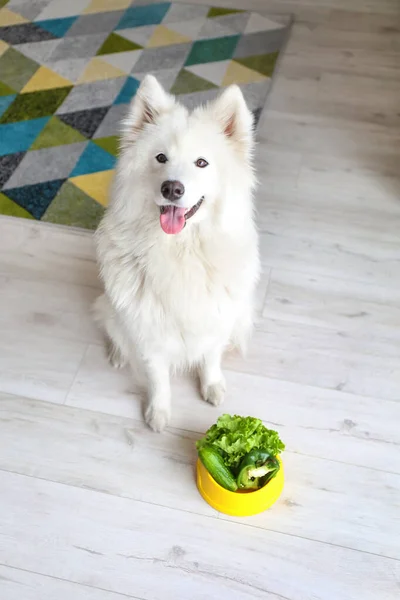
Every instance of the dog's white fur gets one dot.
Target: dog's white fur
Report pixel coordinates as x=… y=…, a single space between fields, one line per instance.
x=178 y=301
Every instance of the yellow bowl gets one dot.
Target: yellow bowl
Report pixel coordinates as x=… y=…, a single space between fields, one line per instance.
x=238 y=504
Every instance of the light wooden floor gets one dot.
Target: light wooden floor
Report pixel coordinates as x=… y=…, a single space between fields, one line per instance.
x=93 y=506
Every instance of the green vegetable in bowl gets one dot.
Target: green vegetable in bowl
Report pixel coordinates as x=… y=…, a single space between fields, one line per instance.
x=235 y=436
x=256 y=469
x=240 y=449
x=214 y=463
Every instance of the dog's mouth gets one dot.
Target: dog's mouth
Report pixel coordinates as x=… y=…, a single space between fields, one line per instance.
x=173 y=218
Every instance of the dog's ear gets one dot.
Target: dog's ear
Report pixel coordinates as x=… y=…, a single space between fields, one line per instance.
x=150 y=101
x=235 y=119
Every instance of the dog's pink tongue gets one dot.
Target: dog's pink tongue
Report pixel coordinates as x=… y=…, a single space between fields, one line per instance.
x=172 y=220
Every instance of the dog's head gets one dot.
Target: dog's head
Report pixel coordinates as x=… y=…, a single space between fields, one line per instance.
x=188 y=163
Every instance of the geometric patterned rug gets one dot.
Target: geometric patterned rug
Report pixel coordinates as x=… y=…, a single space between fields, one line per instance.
x=69 y=68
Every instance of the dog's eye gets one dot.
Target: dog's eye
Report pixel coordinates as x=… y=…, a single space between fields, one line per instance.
x=201 y=162
x=161 y=158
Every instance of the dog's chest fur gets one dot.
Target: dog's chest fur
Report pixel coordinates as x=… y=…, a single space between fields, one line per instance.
x=182 y=293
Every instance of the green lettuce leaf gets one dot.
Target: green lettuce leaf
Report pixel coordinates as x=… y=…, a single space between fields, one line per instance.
x=235 y=436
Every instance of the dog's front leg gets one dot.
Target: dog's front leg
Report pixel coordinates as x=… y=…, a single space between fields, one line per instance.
x=158 y=410
x=212 y=381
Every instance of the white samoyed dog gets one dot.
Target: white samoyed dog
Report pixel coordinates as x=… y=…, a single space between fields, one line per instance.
x=178 y=247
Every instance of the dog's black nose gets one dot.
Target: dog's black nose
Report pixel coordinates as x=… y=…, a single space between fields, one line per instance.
x=172 y=190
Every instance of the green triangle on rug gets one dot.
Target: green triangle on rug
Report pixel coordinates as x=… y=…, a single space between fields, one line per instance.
x=110 y=144
x=6 y=90
x=187 y=83
x=212 y=50
x=57 y=133
x=217 y=11
x=73 y=207
x=12 y=209
x=116 y=43
x=262 y=63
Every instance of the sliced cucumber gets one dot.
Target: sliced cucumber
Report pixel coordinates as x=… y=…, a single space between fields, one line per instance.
x=214 y=463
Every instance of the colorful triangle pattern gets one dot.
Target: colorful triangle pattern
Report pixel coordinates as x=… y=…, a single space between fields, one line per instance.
x=68 y=71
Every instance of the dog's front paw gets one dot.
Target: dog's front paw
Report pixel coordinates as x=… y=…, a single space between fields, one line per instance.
x=115 y=356
x=116 y=360
x=157 y=417
x=214 y=393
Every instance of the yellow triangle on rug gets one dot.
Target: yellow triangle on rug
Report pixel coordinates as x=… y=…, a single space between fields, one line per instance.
x=95 y=185
x=45 y=79
x=3 y=47
x=163 y=36
x=8 y=17
x=240 y=75
x=98 y=6
x=98 y=69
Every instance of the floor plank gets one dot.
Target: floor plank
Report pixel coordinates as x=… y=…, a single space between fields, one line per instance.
x=38 y=367
x=121 y=545
x=42 y=251
x=16 y=584
x=48 y=309
x=347 y=306
x=355 y=363
x=351 y=260
x=312 y=420
x=123 y=458
x=116 y=455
